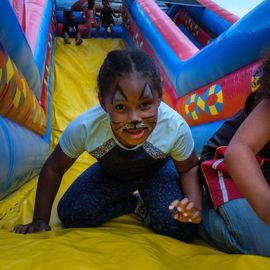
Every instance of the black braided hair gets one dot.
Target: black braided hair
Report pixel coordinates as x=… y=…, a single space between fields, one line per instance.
x=123 y=62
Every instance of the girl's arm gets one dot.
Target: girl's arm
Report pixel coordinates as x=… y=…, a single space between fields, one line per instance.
x=189 y=209
x=48 y=183
x=250 y=138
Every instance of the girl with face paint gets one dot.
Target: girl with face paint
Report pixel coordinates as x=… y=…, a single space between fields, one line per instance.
x=140 y=144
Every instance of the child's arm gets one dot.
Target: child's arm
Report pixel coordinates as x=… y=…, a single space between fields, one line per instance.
x=188 y=209
x=114 y=14
x=49 y=181
x=250 y=138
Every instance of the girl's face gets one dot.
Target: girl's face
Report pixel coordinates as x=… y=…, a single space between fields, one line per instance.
x=132 y=104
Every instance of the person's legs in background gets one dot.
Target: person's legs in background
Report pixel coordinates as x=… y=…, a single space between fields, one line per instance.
x=66 y=38
x=97 y=26
x=78 y=38
x=89 y=28
x=105 y=31
x=112 y=31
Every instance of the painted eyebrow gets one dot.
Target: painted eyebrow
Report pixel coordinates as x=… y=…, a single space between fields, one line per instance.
x=146 y=92
x=118 y=95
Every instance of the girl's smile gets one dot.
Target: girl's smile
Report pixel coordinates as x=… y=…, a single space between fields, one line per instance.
x=135 y=133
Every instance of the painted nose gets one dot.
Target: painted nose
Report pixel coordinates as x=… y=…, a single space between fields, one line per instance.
x=134 y=116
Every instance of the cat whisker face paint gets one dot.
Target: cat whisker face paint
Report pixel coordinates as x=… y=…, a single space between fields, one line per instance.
x=134 y=125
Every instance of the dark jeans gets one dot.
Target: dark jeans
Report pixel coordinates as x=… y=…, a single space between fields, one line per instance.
x=95 y=198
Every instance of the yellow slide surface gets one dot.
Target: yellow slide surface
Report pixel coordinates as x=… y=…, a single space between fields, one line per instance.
x=122 y=243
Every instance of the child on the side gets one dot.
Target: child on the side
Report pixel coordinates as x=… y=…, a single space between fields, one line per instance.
x=236 y=172
x=70 y=29
x=89 y=15
x=139 y=142
x=106 y=17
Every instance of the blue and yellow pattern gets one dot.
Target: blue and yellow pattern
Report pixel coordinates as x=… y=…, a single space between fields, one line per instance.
x=136 y=39
x=211 y=102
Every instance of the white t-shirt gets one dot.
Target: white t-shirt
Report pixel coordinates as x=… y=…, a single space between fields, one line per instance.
x=91 y=132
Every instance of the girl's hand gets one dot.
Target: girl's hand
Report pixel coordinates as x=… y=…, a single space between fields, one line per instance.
x=185 y=211
x=35 y=226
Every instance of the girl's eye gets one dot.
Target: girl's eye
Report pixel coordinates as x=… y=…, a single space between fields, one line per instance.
x=120 y=107
x=146 y=105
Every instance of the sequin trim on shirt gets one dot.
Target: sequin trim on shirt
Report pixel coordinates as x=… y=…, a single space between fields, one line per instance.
x=153 y=151
x=103 y=149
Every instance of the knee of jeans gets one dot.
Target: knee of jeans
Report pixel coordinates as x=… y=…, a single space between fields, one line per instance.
x=224 y=229
x=64 y=214
x=248 y=243
x=74 y=218
x=184 y=232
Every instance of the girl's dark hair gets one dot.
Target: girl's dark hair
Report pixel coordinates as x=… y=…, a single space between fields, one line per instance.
x=91 y=4
x=264 y=81
x=123 y=62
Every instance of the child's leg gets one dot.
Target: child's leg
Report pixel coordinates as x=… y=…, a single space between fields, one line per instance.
x=78 y=38
x=94 y=199
x=112 y=31
x=89 y=30
x=105 y=32
x=235 y=228
x=66 y=38
x=97 y=30
x=157 y=193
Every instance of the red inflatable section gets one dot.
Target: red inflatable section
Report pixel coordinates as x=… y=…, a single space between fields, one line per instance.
x=45 y=83
x=169 y=94
x=179 y=43
x=79 y=5
x=225 y=14
x=183 y=18
x=19 y=9
x=220 y=99
x=33 y=16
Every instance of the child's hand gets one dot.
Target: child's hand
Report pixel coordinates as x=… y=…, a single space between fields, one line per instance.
x=35 y=226
x=185 y=211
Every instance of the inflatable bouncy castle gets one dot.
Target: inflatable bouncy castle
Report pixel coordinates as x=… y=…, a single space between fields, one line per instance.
x=209 y=60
